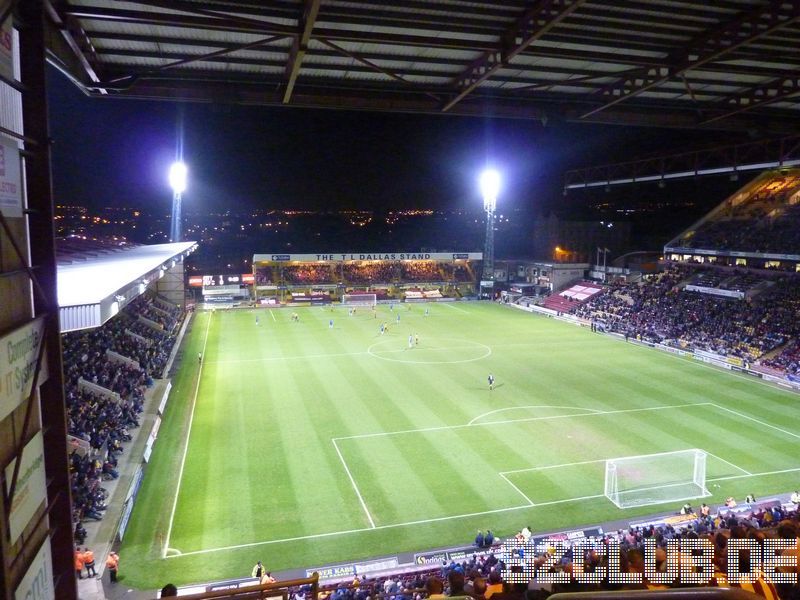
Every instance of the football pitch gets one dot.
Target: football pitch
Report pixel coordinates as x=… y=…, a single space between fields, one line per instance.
x=303 y=445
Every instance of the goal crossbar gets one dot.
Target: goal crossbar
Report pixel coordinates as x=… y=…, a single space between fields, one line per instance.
x=656 y=478
x=359 y=299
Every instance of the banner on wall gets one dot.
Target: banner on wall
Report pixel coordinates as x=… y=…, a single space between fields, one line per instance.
x=10 y=181
x=31 y=490
x=18 y=352
x=37 y=583
x=6 y=46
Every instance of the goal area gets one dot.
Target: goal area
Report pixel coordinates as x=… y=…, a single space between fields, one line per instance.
x=656 y=478
x=359 y=299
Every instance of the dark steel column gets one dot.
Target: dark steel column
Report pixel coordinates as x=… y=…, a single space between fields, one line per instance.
x=43 y=258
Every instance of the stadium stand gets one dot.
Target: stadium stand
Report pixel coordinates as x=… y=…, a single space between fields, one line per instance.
x=571 y=298
x=764 y=217
x=657 y=310
x=483 y=572
x=370 y=272
x=106 y=373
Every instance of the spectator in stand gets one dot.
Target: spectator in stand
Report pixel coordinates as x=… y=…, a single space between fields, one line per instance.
x=169 y=591
x=103 y=418
x=456 y=581
x=434 y=588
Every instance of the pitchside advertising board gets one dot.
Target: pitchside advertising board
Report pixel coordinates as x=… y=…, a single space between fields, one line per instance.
x=337 y=257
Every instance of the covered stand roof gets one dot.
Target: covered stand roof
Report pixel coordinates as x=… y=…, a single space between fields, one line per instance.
x=727 y=64
x=94 y=285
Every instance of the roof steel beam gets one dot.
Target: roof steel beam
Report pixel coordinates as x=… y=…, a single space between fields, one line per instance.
x=75 y=37
x=774 y=91
x=532 y=25
x=210 y=22
x=538 y=51
x=300 y=46
x=717 y=160
x=729 y=36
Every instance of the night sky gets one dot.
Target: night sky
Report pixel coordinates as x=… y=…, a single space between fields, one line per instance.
x=117 y=152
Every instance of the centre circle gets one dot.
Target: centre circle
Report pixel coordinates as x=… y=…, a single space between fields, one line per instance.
x=430 y=351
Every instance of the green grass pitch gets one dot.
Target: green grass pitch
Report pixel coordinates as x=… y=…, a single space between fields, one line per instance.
x=301 y=445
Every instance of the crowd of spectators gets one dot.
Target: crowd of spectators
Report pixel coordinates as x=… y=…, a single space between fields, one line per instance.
x=370 y=272
x=657 y=311
x=768 y=221
x=265 y=276
x=482 y=575
x=310 y=273
x=422 y=270
x=457 y=272
x=104 y=416
x=366 y=273
x=788 y=360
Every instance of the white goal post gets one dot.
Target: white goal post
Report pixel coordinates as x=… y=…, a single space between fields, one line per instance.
x=656 y=478
x=359 y=299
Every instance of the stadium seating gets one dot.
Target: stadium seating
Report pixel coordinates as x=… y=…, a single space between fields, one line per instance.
x=570 y=299
x=658 y=311
x=483 y=571
x=765 y=219
x=106 y=373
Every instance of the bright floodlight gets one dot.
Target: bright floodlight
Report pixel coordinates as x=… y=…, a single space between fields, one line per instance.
x=177 y=177
x=490 y=186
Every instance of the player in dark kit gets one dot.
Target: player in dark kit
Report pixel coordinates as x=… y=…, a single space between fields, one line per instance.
x=491 y=382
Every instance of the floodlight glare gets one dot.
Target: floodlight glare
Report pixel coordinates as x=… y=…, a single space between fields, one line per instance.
x=177 y=177
x=490 y=184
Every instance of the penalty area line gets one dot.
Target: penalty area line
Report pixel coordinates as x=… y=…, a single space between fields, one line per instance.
x=440 y=519
x=362 y=529
x=355 y=487
x=521 y=493
x=744 y=416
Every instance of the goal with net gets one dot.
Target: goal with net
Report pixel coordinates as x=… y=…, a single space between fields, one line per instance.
x=359 y=299
x=656 y=478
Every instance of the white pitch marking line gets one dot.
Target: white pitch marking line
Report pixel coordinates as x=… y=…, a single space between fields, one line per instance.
x=744 y=416
x=521 y=493
x=570 y=500
x=745 y=471
x=355 y=487
x=688 y=360
x=455 y=308
x=754 y=474
x=491 y=412
x=361 y=530
x=452 y=517
x=572 y=464
x=508 y=421
x=330 y=355
x=273 y=315
x=186 y=446
x=293 y=357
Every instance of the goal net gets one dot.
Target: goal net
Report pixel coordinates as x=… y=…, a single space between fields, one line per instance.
x=360 y=299
x=656 y=478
